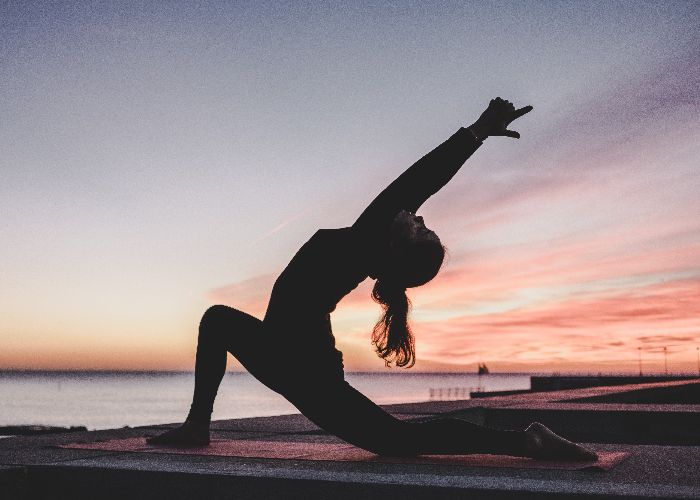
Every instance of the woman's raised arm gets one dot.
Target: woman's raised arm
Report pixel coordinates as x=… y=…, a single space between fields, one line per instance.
x=429 y=174
x=422 y=180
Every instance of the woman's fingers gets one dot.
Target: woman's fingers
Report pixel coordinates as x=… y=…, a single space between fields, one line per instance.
x=520 y=112
x=516 y=114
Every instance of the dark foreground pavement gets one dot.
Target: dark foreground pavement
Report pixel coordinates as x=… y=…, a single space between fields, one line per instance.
x=663 y=440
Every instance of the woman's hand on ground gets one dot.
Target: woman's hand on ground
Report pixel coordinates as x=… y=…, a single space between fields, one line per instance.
x=543 y=444
x=496 y=118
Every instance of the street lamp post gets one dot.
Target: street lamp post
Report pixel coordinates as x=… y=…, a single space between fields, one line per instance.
x=665 y=360
x=640 y=360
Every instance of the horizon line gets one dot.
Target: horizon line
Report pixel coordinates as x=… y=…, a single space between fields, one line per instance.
x=597 y=373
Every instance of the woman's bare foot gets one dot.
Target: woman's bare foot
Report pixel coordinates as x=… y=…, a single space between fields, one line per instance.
x=188 y=434
x=544 y=444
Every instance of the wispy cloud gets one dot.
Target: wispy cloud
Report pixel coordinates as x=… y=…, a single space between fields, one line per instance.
x=250 y=295
x=286 y=222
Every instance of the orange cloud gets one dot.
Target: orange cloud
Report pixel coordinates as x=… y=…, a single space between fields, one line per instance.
x=604 y=328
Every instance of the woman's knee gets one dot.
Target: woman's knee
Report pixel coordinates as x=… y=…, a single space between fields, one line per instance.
x=340 y=410
x=389 y=445
x=235 y=330
x=213 y=318
x=395 y=441
x=215 y=315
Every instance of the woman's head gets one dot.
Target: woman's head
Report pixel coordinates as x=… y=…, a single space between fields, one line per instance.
x=415 y=252
x=415 y=256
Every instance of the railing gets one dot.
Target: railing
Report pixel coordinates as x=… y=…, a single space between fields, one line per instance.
x=450 y=393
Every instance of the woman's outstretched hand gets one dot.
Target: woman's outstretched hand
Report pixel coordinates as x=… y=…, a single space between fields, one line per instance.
x=496 y=118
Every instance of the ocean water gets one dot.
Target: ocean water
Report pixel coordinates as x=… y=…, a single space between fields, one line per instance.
x=112 y=400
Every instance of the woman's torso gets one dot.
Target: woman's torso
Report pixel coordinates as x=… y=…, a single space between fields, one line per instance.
x=324 y=270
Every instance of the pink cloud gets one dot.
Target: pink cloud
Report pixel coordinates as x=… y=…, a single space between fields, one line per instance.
x=286 y=222
x=250 y=295
x=610 y=327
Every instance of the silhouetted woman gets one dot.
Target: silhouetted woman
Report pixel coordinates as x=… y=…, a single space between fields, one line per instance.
x=292 y=350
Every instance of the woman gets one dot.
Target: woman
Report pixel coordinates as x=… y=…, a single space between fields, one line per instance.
x=292 y=350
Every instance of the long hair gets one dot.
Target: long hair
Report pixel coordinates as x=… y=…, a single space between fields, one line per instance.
x=392 y=336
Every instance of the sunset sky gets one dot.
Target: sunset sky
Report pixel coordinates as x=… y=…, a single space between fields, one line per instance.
x=157 y=159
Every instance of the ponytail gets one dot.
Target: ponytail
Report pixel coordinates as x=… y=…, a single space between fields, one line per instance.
x=392 y=336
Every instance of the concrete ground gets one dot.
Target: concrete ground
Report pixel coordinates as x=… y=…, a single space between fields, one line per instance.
x=662 y=440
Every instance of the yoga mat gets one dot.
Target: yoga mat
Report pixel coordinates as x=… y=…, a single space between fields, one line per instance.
x=292 y=450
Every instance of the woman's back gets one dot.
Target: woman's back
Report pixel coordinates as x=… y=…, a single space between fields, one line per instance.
x=325 y=269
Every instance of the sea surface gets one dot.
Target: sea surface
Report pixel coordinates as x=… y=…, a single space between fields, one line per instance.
x=113 y=400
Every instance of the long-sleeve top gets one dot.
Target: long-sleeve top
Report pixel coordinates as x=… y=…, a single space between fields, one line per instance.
x=333 y=262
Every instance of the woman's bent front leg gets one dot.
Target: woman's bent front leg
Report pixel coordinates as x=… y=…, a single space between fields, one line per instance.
x=222 y=329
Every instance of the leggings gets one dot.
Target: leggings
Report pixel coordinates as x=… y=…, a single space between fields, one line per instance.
x=329 y=402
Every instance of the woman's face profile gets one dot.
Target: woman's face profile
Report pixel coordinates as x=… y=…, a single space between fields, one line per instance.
x=407 y=228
